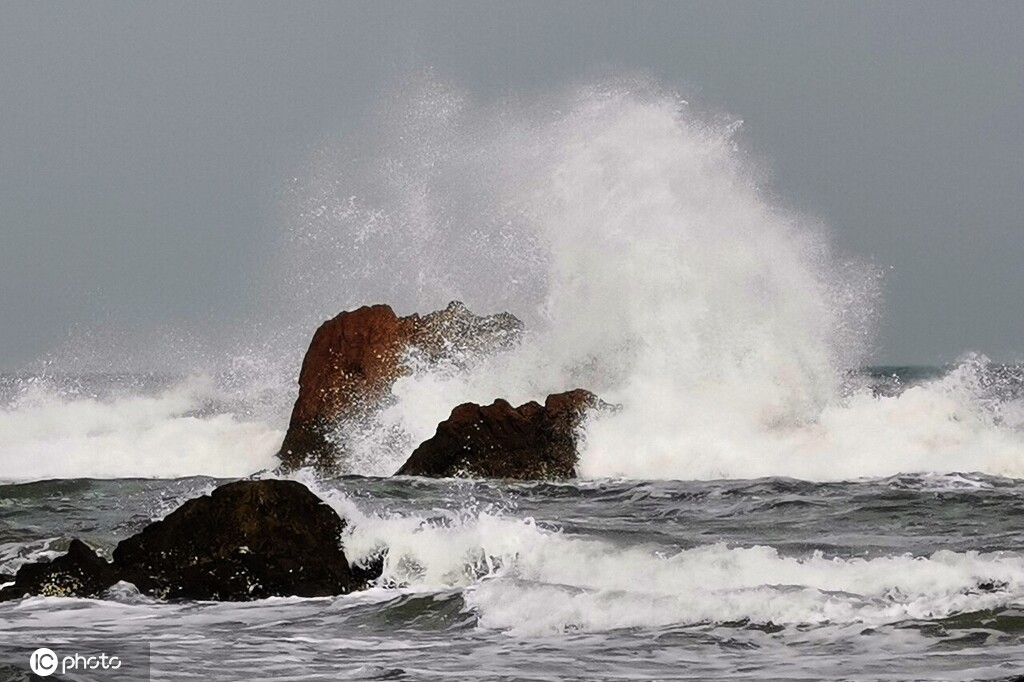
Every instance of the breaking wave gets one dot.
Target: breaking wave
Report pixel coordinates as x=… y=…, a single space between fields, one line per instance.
x=654 y=267
x=520 y=577
x=647 y=255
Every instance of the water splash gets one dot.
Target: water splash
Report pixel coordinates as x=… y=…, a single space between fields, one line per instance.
x=652 y=264
x=655 y=268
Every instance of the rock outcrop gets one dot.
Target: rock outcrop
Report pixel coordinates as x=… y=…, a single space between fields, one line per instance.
x=246 y=540
x=355 y=359
x=79 y=573
x=529 y=442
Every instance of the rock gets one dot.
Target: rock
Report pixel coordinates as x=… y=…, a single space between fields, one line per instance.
x=79 y=573
x=348 y=370
x=457 y=336
x=246 y=540
x=355 y=359
x=528 y=442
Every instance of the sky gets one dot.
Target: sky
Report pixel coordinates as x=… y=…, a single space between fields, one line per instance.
x=144 y=146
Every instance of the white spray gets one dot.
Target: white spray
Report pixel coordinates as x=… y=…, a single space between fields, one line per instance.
x=645 y=253
x=652 y=266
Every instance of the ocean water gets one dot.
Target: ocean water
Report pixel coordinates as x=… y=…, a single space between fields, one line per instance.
x=759 y=508
x=913 y=577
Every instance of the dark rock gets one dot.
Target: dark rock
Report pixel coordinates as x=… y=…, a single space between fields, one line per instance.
x=457 y=336
x=355 y=358
x=247 y=540
x=528 y=442
x=79 y=573
x=993 y=586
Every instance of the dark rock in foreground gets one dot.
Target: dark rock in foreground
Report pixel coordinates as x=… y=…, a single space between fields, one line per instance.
x=529 y=442
x=246 y=540
x=355 y=359
x=79 y=573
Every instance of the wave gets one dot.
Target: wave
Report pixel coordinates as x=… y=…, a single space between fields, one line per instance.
x=655 y=268
x=946 y=425
x=528 y=580
x=48 y=432
x=647 y=255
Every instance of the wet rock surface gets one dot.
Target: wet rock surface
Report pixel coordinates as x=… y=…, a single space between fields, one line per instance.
x=78 y=573
x=354 y=359
x=529 y=442
x=246 y=540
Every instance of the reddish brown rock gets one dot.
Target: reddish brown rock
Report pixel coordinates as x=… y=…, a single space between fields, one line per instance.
x=528 y=442
x=355 y=359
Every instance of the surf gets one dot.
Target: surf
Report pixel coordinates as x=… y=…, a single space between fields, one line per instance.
x=645 y=251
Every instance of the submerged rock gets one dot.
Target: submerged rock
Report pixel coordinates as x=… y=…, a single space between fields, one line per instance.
x=528 y=442
x=79 y=573
x=246 y=540
x=355 y=358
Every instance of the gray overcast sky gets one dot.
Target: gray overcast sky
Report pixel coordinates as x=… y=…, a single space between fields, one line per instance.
x=143 y=146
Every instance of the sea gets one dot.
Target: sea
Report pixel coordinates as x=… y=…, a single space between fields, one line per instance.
x=766 y=504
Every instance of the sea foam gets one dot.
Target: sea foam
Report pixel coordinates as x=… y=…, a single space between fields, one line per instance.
x=654 y=266
x=529 y=580
x=46 y=432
